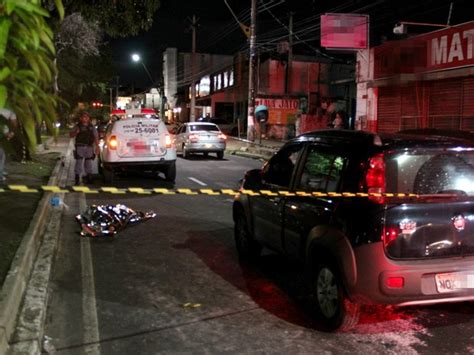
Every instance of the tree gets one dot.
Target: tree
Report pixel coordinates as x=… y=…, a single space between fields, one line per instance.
x=78 y=36
x=84 y=79
x=118 y=18
x=26 y=64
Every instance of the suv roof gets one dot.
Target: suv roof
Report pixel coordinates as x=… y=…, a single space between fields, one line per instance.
x=383 y=141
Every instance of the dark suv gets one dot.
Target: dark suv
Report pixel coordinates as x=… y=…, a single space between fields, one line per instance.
x=374 y=219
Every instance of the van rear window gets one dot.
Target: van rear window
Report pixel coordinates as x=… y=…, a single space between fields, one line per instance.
x=432 y=171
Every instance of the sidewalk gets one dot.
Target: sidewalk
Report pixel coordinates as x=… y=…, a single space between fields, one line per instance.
x=22 y=224
x=242 y=147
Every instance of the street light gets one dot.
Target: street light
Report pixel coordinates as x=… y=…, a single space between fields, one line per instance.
x=136 y=58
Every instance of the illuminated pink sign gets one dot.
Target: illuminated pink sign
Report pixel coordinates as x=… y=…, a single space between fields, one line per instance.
x=344 y=31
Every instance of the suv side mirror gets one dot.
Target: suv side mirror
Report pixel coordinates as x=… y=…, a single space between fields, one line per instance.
x=253 y=179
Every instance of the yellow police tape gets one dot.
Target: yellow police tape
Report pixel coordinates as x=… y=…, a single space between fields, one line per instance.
x=191 y=192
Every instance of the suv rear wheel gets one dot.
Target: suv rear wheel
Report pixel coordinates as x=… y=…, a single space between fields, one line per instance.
x=108 y=174
x=170 y=172
x=247 y=247
x=220 y=155
x=328 y=295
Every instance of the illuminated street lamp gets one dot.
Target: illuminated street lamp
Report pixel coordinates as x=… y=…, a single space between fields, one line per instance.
x=136 y=58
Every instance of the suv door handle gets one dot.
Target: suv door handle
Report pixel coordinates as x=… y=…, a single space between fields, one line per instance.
x=275 y=200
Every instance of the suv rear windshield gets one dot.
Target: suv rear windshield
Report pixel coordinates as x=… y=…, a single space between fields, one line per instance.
x=203 y=127
x=431 y=171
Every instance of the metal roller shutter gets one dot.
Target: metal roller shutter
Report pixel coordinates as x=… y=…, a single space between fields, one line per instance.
x=389 y=109
x=410 y=107
x=467 y=120
x=445 y=104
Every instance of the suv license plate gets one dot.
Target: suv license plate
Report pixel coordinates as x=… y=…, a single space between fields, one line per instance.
x=452 y=282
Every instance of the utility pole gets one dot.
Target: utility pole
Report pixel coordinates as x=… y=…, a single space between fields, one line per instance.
x=450 y=12
x=193 y=72
x=290 y=55
x=251 y=95
x=116 y=88
x=111 y=101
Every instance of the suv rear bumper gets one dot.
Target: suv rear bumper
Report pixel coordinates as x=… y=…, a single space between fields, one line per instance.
x=418 y=276
x=137 y=164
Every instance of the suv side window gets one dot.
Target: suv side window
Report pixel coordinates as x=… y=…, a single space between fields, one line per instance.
x=322 y=171
x=279 y=169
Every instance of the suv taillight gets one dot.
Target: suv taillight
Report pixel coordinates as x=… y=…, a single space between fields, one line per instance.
x=193 y=137
x=222 y=137
x=375 y=178
x=112 y=142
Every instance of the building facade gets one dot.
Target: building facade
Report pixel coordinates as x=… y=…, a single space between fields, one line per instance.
x=425 y=81
x=300 y=98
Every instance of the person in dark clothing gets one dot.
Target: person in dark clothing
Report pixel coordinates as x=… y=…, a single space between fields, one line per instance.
x=340 y=120
x=5 y=135
x=87 y=146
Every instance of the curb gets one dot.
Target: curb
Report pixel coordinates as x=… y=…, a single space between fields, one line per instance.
x=14 y=286
x=44 y=146
x=247 y=155
x=257 y=144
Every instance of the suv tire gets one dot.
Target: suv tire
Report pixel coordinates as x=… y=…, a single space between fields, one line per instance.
x=170 y=172
x=247 y=247
x=108 y=174
x=330 y=301
x=220 y=155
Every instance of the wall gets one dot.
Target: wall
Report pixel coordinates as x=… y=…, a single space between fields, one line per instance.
x=366 y=106
x=170 y=57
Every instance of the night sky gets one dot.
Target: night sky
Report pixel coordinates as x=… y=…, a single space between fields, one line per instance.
x=219 y=33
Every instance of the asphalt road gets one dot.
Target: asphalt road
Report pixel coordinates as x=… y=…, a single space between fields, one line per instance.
x=174 y=284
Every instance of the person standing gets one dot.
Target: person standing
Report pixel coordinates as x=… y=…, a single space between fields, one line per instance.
x=340 y=120
x=86 y=147
x=5 y=135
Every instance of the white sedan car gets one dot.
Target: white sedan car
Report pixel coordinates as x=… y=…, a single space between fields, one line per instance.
x=200 y=137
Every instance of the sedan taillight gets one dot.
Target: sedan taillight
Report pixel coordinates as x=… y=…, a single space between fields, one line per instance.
x=193 y=137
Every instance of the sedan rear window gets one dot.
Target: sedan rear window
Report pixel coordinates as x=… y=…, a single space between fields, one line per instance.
x=203 y=127
x=449 y=171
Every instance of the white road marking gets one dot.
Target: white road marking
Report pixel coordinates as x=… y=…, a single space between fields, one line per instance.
x=197 y=181
x=89 y=306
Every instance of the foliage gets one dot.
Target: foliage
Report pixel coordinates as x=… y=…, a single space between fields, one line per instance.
x=76 y=39
x=27 y=67
x=118 y=18
x=84 y=79
x=79 y=35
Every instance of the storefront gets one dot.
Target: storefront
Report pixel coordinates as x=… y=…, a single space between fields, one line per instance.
x=426 y=81
x=282 y=114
